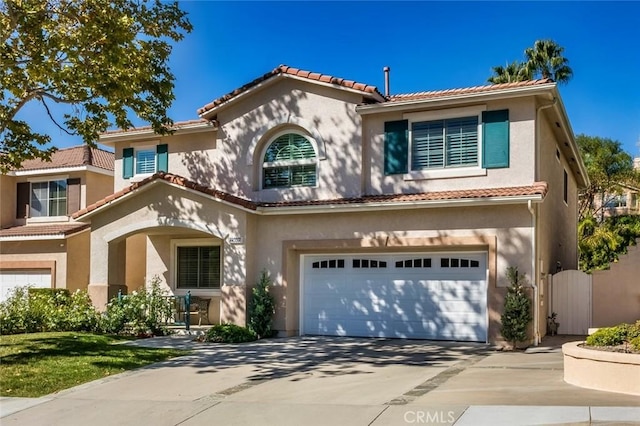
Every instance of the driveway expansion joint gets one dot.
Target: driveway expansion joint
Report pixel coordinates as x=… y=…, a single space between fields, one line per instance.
x=436 y=381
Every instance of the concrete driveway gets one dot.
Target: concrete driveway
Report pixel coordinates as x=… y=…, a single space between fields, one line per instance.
x=331 y=381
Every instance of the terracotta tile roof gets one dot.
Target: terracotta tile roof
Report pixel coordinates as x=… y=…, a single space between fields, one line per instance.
x=176 y=126
x=464 y=91
x=538 y=188
x=287 y=70
x=76 y=156
x=61 y=230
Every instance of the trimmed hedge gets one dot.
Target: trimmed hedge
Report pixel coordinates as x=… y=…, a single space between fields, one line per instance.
x=229 y=333
x=618 y=335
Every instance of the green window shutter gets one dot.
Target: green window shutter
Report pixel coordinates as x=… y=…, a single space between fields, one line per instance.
x=127 y=163
x=162 y=158
x=396 y=147
x=495 y=139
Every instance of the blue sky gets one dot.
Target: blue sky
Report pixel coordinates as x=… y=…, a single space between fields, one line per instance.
x=428 y=45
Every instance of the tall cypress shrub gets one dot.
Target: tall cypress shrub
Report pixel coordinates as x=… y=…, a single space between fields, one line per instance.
x=516 y=315
x=261 y=307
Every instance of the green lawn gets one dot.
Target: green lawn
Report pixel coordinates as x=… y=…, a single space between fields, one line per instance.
x=38 y=364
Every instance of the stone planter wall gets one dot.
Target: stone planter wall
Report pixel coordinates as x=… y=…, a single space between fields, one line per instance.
x=601 y=370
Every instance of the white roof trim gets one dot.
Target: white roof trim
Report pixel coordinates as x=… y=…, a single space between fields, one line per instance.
x=58 y=170
x=136 y=134
x=42 y=237
x=399 y=205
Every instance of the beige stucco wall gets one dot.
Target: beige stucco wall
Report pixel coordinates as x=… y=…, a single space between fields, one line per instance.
x=230 y=158
x=78 y=254
x=95 y=186
x=521 y=155
x=26 y=253
x=616 y=292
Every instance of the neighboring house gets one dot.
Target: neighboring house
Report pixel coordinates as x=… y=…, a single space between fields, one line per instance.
x=627 y=202
x=40 y=245
x=375 y=215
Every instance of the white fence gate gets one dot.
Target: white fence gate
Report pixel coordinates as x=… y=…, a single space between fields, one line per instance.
x=571 y=293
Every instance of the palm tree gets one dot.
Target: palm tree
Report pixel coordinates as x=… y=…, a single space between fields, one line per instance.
x=513 y=72
x=545 y=60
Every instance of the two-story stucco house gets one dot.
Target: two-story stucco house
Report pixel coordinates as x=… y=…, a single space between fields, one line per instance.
x=375 y=215
x=40 y=245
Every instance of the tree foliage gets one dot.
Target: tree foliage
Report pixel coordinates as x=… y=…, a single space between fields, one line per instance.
x=516 y=315
x=543 y=60
x=513 y=72
x=610 y=171
x=103 y=59
x=601 y=243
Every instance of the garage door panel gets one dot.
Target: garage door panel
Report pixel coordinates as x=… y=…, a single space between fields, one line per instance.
x=12 y=278
x=412 y=301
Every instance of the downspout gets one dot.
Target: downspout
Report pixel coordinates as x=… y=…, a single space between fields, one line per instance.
x=535 y=271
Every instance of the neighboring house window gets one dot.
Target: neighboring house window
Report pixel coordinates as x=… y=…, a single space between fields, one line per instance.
x=198 y=266
x=444 y=143
x=144 y=161
x=48 y=198
x=447 y=143
x=290 y=160
x=59 y=197
x=617 y=201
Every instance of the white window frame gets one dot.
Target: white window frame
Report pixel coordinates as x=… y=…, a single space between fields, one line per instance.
x=42 y=219
x=138 y=149
x=309 y=161
x=445 y=172
x=194 y=242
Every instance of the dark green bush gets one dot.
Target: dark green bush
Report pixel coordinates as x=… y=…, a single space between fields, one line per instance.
x=612 y=336
x=516 y=315
x=229 y=333
x=261 y=308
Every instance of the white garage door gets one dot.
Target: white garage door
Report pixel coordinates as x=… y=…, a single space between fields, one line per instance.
x=439 y=296
x=9 y=279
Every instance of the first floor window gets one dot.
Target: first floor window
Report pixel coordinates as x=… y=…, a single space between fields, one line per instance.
x=444 y=143
x=198 y=267
x=48 y=198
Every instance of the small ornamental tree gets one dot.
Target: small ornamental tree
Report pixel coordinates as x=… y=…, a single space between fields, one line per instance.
x=516 y=315
x=261 y=307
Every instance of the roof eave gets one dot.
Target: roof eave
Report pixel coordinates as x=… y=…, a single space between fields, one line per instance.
x=58 y=236
x=212 y=112
x=399 y=205
x=58 y=170
x=456 y=98
x=109 y=139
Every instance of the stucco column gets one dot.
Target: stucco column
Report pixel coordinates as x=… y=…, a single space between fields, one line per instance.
x=107 y=271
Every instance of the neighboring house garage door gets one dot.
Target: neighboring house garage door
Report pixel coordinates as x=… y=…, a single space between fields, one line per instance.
x=439 y=296
x=11 y=278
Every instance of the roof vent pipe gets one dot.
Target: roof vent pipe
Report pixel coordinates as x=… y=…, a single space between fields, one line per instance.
x=386 y=80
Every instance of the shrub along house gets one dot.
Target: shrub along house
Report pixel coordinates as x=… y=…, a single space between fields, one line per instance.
x=375 y=214
x=40 y=245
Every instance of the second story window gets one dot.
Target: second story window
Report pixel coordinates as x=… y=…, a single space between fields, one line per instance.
x=289 y=161
x=444 y=143
x=144 y=160
x=48 y=198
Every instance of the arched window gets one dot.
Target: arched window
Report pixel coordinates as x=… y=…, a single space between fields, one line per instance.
x=290 y=160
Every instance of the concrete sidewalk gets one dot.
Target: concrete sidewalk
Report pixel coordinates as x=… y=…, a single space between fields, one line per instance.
x=327 y=381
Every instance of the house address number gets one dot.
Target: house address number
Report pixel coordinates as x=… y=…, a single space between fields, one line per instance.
x=236 y=240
